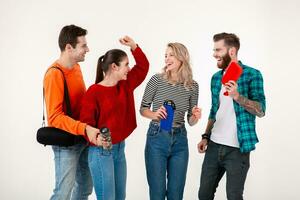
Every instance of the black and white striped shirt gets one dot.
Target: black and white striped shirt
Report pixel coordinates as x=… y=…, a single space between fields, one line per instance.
x=158 y=90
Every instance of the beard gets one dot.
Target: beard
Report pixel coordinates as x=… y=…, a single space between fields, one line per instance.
x=225 y=61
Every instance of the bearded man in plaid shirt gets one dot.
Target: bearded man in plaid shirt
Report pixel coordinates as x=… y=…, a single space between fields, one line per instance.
x=230 y=134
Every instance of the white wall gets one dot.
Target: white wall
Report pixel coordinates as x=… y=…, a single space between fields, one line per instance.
x=268 y=30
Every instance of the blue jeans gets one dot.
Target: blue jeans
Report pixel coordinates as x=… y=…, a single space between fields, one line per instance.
x=218 y=160
x=72 y=175
x=166 y=157
x=108 y=169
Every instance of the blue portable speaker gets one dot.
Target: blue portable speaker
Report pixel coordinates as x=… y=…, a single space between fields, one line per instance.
x=166 y=124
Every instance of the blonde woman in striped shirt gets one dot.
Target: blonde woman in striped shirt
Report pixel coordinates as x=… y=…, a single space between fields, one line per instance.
x=166 y=152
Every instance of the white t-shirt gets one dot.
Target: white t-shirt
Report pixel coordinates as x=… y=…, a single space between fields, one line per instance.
x=225 y=128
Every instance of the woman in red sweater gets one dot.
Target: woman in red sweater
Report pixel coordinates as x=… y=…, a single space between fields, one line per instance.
x=110 y=103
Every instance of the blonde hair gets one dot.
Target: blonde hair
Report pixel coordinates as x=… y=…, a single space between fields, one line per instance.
x=184 y=72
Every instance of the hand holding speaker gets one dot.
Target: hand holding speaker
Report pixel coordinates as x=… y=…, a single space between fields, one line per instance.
x=232 y=73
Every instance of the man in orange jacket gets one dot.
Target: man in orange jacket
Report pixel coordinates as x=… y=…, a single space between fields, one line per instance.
x=72 y=176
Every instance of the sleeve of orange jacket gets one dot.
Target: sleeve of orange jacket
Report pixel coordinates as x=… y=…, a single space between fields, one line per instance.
x=54 y=97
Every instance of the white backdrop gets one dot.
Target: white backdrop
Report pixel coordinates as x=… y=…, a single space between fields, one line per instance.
x=268 y=30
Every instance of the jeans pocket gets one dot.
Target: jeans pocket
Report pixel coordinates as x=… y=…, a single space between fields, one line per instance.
x=153 y=131
x=105 y=152
x=183 y=133
x=245 y=161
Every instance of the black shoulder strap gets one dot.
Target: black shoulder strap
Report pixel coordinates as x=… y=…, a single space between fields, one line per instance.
x=66 y=96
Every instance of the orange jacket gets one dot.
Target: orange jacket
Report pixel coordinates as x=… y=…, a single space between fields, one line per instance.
x=54 y=98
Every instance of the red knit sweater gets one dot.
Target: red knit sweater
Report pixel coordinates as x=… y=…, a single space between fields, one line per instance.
x=113 y=106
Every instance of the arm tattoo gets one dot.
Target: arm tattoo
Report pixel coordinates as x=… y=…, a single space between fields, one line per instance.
x=252 y=107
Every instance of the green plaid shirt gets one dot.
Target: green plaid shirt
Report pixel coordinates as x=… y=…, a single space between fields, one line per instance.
x=250 y=85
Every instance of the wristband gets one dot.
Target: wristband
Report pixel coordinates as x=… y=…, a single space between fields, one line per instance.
x=205 y=136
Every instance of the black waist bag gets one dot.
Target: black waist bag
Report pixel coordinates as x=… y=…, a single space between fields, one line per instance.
x=54 y=136
x=58 y=137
